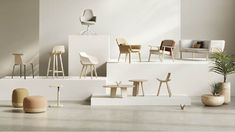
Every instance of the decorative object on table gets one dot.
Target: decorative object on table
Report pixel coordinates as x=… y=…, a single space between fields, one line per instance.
x=127 y=49
x=223 y=64
x=88 y=61
x=19 y=62
x=18 y=96
x=87 y=19
x=35 y=104
x=137 y=83
x=166 y=47
x=182 y=106
x=200 y=47
x=58 y=104
x=56 y=58
x=113 y=89
x=165 y=81
x=214 y=99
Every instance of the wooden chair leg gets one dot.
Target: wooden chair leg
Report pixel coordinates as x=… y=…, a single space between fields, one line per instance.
x=95 y=70
x=56 y=66
x=158 y=92
x=13 y=71
x=172 y=55
x=91 y=69
x=142 y=88
x=86 y=66
x=48 y=66
x=32 y=69
x=126 y=57
x=20 y=70
x=149 y=57
x=139 y=56
x=119 y=57
x=82 y=71
x=129 y=57
x=62 y=66
x=24 y=71
x=168 y=89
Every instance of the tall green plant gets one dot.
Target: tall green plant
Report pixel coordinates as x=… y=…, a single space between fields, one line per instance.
x=223 y=64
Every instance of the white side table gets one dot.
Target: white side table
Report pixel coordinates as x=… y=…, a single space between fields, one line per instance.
x=58 y=104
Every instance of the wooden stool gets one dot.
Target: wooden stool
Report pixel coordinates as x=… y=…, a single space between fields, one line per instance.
x=54 y=55
x=165 y=81
x=136 y=87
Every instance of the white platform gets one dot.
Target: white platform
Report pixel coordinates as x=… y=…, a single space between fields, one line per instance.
x=95 y=45
x=74 y=87
x=141 y=100
x=189 y=77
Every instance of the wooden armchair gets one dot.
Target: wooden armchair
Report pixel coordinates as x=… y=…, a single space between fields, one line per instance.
x=125 y=48
x=167 y=46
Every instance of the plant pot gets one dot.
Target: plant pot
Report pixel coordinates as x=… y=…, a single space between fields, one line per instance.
x=210 y=100
x=226 y=92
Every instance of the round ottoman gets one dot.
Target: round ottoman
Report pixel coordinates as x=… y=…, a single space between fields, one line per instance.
x=35 y=104
x=18 y=96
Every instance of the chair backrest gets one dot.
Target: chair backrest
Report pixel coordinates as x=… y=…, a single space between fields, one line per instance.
x=88 y=14
x=170 y=43
x=58 y=49
x=217 y=45
x=87 y=59
x=121 y=41
x=18 y=58
x=168 y=77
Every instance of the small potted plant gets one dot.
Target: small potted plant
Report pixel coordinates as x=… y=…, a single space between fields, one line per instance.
x=223 y=64
x=214 y=99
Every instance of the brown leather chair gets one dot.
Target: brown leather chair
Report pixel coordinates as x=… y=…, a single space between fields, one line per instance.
x=127 y=49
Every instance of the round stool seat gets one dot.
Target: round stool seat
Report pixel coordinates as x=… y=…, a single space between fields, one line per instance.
x=18 y=96
x=35 y=104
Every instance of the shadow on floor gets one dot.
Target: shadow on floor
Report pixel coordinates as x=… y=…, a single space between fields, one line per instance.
x=14 y=111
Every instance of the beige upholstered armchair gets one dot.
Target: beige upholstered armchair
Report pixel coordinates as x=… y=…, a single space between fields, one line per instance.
x=127 y=49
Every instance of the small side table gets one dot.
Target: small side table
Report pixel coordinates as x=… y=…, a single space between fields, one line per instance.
x=58 y=104
x=113 y=90
x=137 y=83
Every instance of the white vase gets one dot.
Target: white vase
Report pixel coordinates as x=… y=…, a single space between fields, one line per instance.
x=226 y=92
x=210 y=100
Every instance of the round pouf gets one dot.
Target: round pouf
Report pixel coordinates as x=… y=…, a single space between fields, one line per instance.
x=35 y=104
x=18 y=96
x=210 y=100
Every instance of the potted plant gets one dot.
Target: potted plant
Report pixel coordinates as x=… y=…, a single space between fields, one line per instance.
x=214 y=99
x=223 y=64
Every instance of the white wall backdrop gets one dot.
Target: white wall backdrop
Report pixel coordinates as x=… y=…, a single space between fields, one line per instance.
x=139 y=21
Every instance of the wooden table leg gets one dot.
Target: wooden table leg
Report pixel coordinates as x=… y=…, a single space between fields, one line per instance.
x=124 y=92
x=142 y=88
x=135 y=89
x=113 y=92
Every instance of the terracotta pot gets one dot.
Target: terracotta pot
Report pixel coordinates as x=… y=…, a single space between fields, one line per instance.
x=210 y=100
x=226 y=92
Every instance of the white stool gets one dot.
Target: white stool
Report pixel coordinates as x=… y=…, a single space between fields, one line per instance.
x=54 y=55
x=58 y=104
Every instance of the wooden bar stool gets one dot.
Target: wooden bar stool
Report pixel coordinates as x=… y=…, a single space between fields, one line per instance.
x=165 y=81
x=54 y=55
x=19 y=62
x=137 y=83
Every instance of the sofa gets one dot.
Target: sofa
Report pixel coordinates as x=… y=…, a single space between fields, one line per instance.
x=201 y=47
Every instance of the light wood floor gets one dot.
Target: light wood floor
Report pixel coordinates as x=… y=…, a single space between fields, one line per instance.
x=80 y=117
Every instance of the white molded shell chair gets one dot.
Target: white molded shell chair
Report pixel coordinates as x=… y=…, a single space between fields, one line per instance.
x=88 y=61
x=87 y=19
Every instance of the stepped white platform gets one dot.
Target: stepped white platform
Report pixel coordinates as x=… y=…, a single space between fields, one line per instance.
x=189 y=77
x=73 y=88
x=175 y=100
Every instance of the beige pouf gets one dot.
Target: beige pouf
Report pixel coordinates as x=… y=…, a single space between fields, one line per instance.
x=18 y=96
x=35 y=104
x=210 y=100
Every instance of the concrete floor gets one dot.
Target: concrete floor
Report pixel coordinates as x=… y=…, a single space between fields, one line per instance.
x=81 y=117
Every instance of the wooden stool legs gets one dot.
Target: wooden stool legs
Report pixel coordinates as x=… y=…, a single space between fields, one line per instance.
x=55 y=66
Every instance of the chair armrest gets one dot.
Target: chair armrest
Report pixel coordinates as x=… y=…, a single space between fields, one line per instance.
x=168 y=47
x=154 y=47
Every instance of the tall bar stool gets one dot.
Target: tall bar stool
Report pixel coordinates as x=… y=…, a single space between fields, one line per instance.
x=19 y=62
x=56 y=53
x=165 y=81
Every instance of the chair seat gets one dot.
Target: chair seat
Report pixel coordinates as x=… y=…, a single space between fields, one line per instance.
x=135 y=50
x=88 y=22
